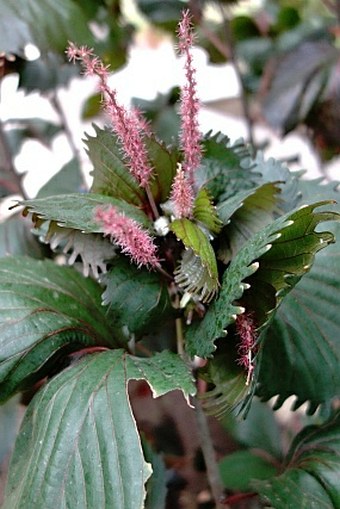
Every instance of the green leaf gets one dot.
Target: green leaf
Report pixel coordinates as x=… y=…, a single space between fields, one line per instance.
x=164 y=164
x=16 y=239
x=45 y=310
x=156 y=487
x=225 y=169
x=77 y=210
x=137 y=299
x=45 y=75
x=230 y=389
x=260 y=429
x=79 y=445
x=68 y=179
x=294 y=243
x=197 y=271
x=305 y=337
x=240 y=468
x=48 y=24
x=311 y=476
x=205 y=212
x=244 y=214
x=194 y=238
x=9 y=423
x=111 y=175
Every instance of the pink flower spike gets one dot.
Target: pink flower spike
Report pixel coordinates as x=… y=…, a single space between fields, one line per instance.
x=182 y=194
x=189 y=102
x=125 y=125
x=129 y=235
x=246 y=330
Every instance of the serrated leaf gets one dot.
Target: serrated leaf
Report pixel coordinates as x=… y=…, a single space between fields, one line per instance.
x=68 y=179
x=79 y=445
x=77 y=210
x=111 y=175
x=156 y=487
x=47 y=24
x=205 y=212
x=9 y=424
x=230 y=389
x=298 y=229
x=194 y=238
x=79 y=433
x=197 y=271
x=243 y=215
x=45 y=310
x=137 y=299
x=305 y=337
x=164 y=163
x=92 y=249
x=311 y=476
x=225 y=169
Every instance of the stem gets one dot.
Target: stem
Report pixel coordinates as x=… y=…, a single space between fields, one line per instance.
x=179 y=332
x=209 y=454
x=14 y=183
x=152 y=202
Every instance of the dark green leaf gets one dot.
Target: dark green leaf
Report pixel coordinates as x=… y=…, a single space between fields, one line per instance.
x=110 y=174
x=260 y=429
x=9 y=424
x=45 y=74
x=240 y=468
x=166 y=16
x=304 y=336
x=294 y=242
x=48 y=24
x=295 y=87
x=311 y=477
x=157 y=484
x=79 y=445
x=69 y=179
x=16 y=239
x=77 y=210
x=45 y=309
x=244 y=214
x=225 y=168
x=137 y=299
x=164 y=164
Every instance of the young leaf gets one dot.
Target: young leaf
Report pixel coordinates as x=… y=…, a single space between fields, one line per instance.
x=311 y=477
x=305 y=337
x=189 y=274
x=79 y=445
x=297 y=228
x=45 y=309
x=205 y=212
x=137 y=298
x=78 y=210
x=111 y=175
